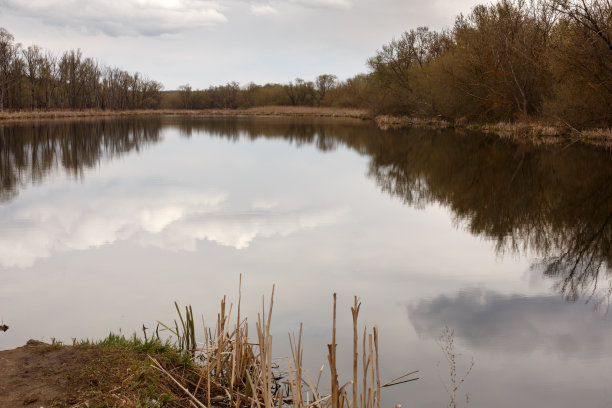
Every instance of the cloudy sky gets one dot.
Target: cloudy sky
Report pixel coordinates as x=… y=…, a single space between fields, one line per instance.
x=207 y=43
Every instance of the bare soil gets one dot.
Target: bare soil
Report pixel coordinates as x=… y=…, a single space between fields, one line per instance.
x=44 y=375
x=37 y=375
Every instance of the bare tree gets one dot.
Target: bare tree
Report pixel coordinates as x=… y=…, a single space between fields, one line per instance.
x=593 y=15
x=9 y=53
x=185 y=91
x=324 y=83
x=49 y=72
x=33 y=62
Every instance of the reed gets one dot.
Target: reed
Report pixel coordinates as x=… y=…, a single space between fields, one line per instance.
x=230 y=371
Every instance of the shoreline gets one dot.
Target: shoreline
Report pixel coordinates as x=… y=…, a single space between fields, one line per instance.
x=298 y=111
x=538 y=132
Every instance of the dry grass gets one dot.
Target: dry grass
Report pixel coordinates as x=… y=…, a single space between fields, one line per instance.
x=446 y=341
x=544 y=133
x=114 y=372
x=67 y=114
x=258 y=111
x=534 y=131
x=386 y=122
x=233 y=372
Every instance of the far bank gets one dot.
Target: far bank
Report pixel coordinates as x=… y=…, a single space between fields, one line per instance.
x=537 y=131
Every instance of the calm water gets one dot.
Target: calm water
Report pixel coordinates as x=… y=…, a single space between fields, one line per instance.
x=104 y=224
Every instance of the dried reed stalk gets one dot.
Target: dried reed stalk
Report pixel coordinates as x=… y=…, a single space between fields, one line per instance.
x=331 y=357
x=240 y=374
x=355 y=313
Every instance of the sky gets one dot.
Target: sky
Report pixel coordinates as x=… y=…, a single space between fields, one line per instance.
x=204 y=43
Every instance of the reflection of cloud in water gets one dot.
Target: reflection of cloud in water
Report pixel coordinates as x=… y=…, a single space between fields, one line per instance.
x=515 y=324
x=164 y=217
x=236 y=230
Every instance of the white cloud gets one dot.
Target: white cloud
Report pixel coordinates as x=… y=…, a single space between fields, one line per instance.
x=156 y=219
x=263 y=10
x=120 y=17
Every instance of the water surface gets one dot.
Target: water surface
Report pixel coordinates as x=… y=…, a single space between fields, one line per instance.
x=105 y=223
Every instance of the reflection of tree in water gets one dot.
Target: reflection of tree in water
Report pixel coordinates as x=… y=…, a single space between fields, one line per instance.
x=31 y=152
x=554 y=202
x=320 y=132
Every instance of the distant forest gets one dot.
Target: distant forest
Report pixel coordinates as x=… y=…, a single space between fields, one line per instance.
x=512 y=60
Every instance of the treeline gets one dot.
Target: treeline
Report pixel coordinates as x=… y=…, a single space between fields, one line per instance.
x=325 y=90
x=512 y=60
x=32 y=78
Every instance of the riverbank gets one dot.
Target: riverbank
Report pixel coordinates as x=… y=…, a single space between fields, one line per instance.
x=538 y=132
x=259 y=111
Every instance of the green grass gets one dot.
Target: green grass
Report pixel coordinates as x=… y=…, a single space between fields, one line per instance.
x=121 y=366
x=154 y=347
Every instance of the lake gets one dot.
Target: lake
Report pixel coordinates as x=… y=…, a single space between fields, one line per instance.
x=105 y=223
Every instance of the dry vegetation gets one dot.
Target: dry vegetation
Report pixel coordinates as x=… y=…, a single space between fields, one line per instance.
x=534 y=131
x=386 y=122
x=257 y=111
x=231 y=371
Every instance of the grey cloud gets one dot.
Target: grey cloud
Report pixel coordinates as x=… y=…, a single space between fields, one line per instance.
x=515 y=324
x=313 y=4
x=120 y=17
x=342 y=4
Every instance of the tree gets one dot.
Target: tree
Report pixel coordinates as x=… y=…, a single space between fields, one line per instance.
x=400 y=70
x=185 y=92
x=9 y=56
x=323 y=83
x=301 y=92
x=580 y=60
x=593 y=15
x=48 y=78
x=33 y=64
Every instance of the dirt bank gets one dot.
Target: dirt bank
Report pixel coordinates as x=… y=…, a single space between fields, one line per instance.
x=45 y=375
